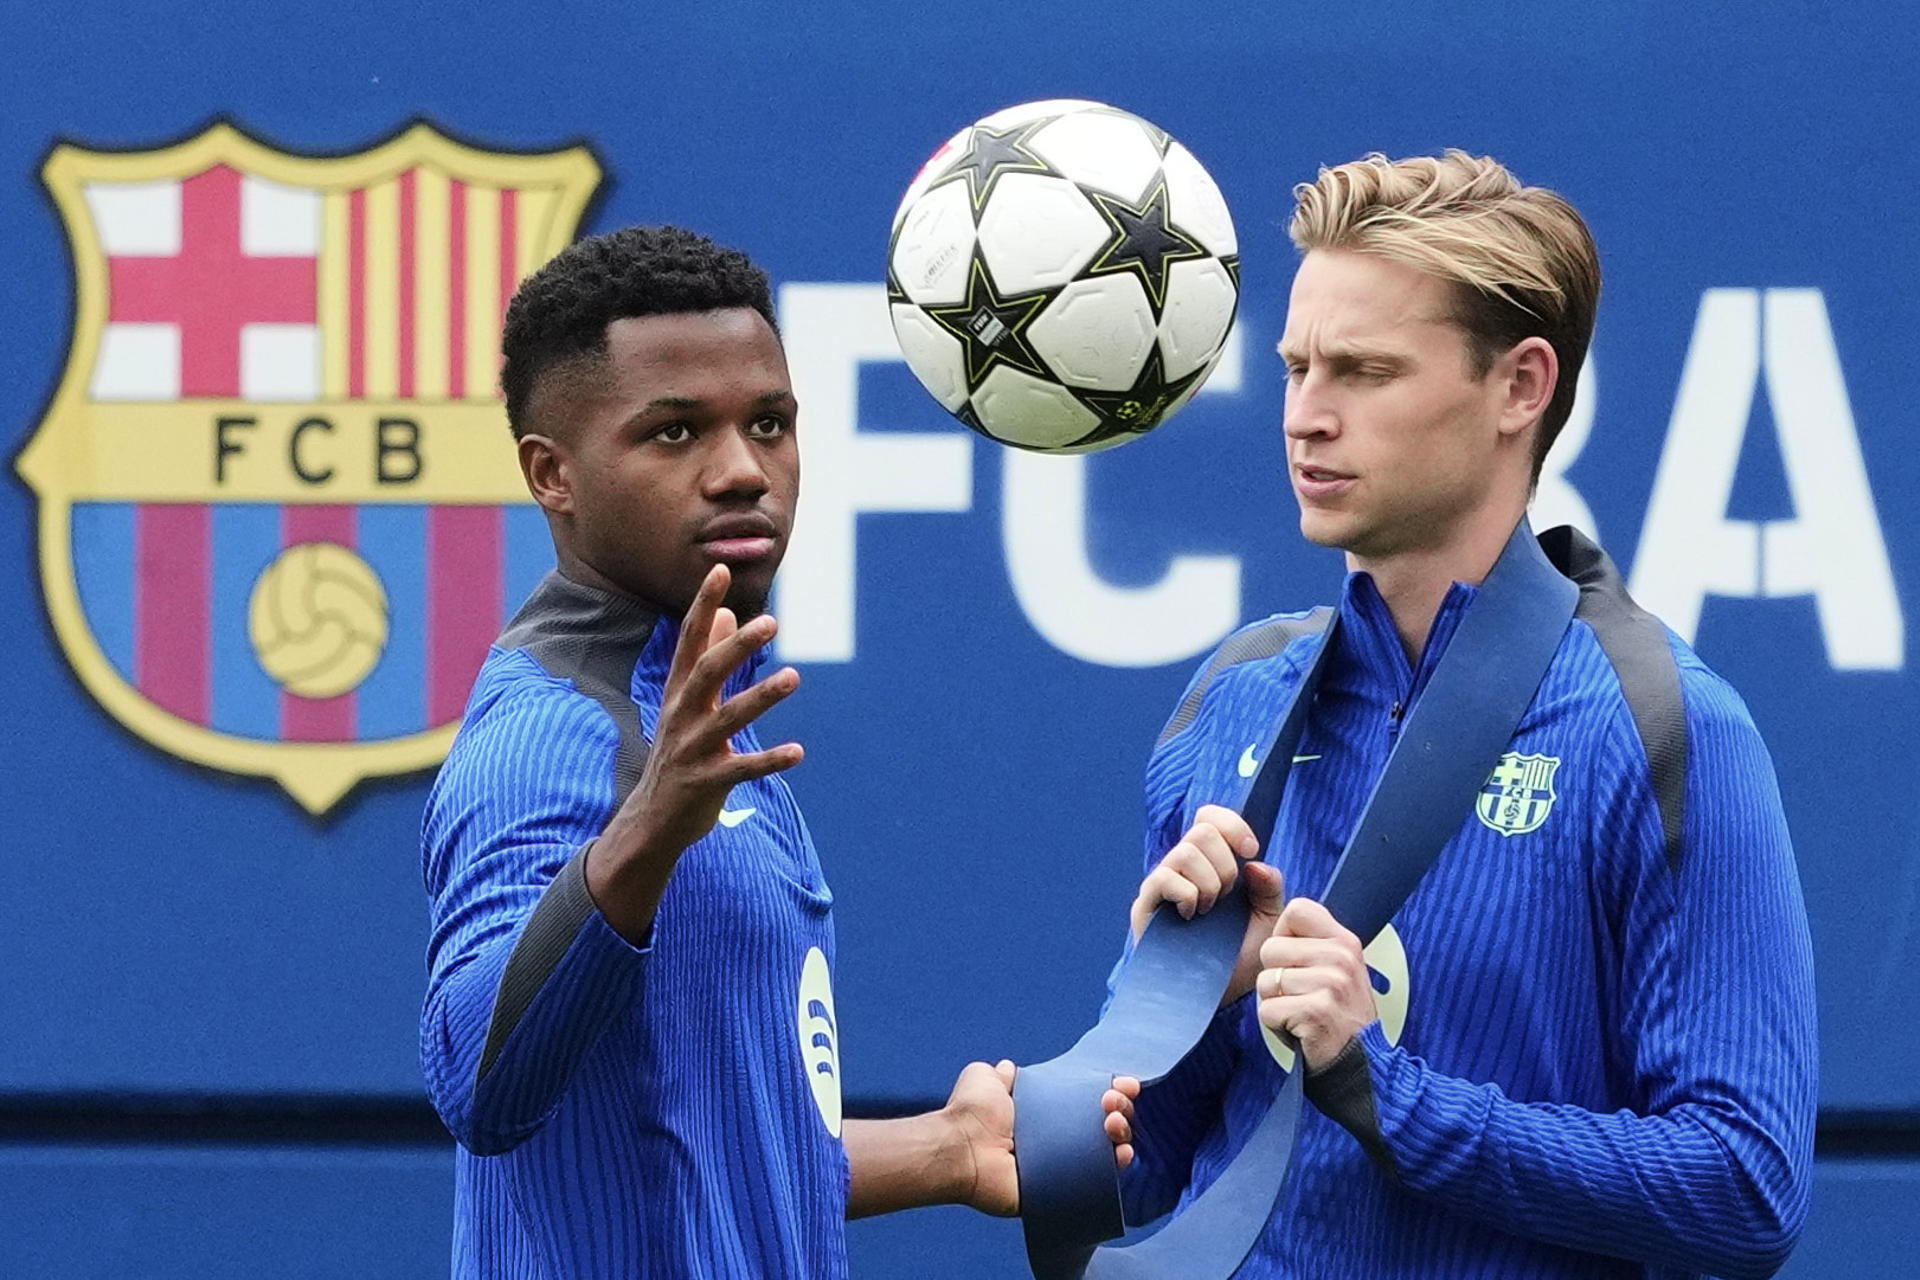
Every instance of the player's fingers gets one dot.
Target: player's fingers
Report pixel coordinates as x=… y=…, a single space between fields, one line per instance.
x=709 y=673
x=1185 y=880
x=1281 y=1015
x=1006 y=1071
x=1283 y=950
x=1305 y=918
x=759 y=764
x=1127 y=1087
x=1295 y=980
x=1301 y=952
x=724 y=625
x=1119 y=1131
x=743 y=708
x=1219 y=854
x=1122 y=1147
x=697 y=626
x=1164 y=885
x=1191 y=862
x=1238 y=835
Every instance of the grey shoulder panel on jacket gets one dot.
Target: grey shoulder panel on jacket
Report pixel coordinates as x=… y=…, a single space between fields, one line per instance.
x=1636 y=645
x=1249 y=644
x=594 y=639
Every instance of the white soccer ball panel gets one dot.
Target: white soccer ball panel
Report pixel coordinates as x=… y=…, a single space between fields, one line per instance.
x=1199 y=311
x=1100 y=149
x=1021 y=113
x=1021 y=409
x=934 y=249
x=936 y=357
x=1038 y=232
x=936 y=165
x=1195 y=203
x=1096 y=333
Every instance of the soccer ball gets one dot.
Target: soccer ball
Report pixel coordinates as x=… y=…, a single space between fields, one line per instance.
x=1062 y=276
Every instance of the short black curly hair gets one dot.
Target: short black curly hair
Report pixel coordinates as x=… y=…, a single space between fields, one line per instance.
x=560 y=313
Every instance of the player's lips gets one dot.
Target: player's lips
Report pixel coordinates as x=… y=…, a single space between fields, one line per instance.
x=736 y=538
x=1319 y=482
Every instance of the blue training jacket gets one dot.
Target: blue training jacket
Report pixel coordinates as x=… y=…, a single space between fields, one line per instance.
x=670 y=1109
x=1596 y=1056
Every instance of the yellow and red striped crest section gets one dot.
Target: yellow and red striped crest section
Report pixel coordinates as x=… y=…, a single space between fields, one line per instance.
x=415 y=274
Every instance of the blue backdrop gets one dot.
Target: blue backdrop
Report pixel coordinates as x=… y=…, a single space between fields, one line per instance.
x=975 y=745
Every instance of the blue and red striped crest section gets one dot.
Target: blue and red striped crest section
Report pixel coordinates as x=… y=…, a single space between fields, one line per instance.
x=280 y=515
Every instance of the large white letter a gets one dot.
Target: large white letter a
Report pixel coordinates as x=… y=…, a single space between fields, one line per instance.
x=1832 y=548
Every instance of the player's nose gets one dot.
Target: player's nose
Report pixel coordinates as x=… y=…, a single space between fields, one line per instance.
x=1309 y=411
x=736 y=466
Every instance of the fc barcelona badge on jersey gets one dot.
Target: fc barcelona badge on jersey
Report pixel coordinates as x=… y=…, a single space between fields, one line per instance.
x=280 y=518
x=1518 y=795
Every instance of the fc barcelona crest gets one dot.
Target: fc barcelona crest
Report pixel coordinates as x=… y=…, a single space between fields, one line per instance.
x=1518 y=795
x=280 y=518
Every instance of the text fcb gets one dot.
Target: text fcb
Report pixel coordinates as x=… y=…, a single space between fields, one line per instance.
x=280 y=518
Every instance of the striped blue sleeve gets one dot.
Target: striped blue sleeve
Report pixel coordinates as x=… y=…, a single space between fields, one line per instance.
x=524 y=972
x=1709 y=1170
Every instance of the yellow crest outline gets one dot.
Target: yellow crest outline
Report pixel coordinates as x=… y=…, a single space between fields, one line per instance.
x=316 y=775
x=1486 y=805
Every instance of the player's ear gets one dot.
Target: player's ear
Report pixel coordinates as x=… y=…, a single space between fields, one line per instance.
x=549 y=473
x=1528 y=374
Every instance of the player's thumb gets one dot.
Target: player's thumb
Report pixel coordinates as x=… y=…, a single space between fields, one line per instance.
x=1266 y=889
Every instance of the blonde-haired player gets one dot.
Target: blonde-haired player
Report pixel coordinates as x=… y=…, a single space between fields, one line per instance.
x=1608 y=1061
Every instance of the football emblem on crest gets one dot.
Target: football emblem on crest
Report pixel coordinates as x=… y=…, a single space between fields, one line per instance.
x=1518 y=795
x=280 y=519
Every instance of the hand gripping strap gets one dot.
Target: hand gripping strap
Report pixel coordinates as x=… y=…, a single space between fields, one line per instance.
x=1171 y=985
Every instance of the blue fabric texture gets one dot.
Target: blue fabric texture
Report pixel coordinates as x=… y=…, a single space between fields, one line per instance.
x=1608 y=1061
x=650 y=1112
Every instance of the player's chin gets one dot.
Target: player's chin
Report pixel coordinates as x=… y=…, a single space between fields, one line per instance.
x=750 y=591
x=1324 y=528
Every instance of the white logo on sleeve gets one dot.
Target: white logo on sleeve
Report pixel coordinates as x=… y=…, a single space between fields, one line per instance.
x=1248 y=765
x=820 y=1038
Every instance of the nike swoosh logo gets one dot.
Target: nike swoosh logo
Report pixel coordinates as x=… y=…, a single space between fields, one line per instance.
x=1304 y=759
x=734 y=817
x=1248 y=765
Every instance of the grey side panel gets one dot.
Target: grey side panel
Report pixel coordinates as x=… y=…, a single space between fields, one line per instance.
x=1262 y=641
x=555 y=923
x=1343 y=1092
x=594 y=639
x=1636 y=644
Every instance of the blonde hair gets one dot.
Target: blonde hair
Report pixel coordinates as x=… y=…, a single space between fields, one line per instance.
x=1521 y=258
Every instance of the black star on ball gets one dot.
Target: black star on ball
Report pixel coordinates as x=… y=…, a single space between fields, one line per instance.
x=1140 y=408
x=1142 y=241
x=992 y=328
x=993 y=153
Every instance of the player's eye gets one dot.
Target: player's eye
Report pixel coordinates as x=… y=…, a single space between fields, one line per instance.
x=767 y=428
x=672 y=433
